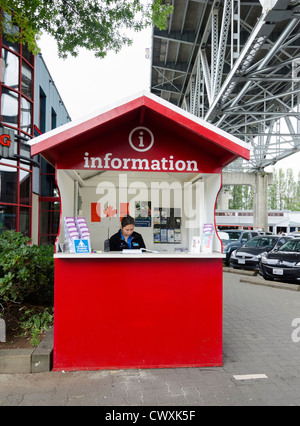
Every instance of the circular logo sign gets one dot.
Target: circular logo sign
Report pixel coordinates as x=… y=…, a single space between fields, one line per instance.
x=141 y=139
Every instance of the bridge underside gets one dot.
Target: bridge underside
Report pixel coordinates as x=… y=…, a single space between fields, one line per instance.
x=236 y=64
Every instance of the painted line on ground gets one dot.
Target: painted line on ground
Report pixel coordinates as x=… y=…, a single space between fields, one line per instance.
x=250 y=376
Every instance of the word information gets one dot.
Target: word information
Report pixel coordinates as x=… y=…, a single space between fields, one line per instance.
x=164 y=164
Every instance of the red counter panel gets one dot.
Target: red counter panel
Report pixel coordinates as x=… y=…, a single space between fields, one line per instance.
x=137 y=313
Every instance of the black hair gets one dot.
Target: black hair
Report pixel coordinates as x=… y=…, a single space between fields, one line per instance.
x=127 y=220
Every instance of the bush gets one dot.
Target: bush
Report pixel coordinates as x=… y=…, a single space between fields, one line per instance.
x=34 y=324
x=26 y=271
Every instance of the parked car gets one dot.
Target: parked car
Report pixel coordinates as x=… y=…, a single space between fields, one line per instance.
x=282 y=264
x=249 y=255
x=236 y=238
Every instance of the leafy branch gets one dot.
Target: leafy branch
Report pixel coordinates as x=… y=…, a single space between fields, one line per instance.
x=97 y=25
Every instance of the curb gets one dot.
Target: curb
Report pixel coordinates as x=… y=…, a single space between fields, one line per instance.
x=253 y=278
x=35 y=360
x=42 y=356
x=240 y=271
x=274 y=284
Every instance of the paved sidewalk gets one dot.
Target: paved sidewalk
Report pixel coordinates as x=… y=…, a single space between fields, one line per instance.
x=257 y=341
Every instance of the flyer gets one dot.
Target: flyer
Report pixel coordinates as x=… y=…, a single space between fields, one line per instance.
x=196 y=245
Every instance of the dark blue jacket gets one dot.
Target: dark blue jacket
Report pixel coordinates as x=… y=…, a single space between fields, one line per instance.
x=116 y=242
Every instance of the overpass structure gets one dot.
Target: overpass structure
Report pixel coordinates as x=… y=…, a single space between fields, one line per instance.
x=236 y=64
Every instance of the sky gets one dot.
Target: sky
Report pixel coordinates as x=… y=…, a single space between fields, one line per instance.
x=86 y=84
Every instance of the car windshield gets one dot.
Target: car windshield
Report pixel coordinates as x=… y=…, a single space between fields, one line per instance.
x=233 y=235
x=261 y=242
x=292 y=245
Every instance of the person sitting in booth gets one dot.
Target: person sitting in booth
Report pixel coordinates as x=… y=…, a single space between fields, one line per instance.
x=126 y=237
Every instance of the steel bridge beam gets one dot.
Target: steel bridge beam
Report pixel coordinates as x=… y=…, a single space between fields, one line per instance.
x=236 y=64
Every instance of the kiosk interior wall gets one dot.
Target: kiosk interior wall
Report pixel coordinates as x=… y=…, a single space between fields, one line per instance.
x=194 y=194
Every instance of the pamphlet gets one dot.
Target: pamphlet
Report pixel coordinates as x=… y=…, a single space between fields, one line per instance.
x=196 y=245
x=163 y=235
x=171 y=236
x=136 y=251
x=76 y=230
x=81 y=246
x=208 y=230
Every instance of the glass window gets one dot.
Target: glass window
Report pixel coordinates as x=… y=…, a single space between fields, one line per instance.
x=9 y=162
x=48 y=186
x=25 y=187
x=49 y=222
x=9 y=107
x=233 y=235
x=26 y=115
x=8 y=184
x=8 y=217
x=25 y=152
x=47 y=239
x=50 y=205
x=261 y=242
x=53 y=119
x=10 y=28
x=246 y=236
x=10 y=69
x=46 y=167
x=10 y=44
x=293 y=245
x=26 y=54
x=24 y=221
x=27 y=80
x=42 y=118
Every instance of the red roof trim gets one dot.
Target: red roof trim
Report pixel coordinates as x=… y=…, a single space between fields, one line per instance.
x=202 y=130
x=217 y=136
x=81 y=128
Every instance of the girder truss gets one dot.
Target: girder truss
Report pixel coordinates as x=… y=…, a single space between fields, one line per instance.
x=235 y=64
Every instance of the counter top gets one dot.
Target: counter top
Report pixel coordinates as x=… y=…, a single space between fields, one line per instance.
x=159 y=255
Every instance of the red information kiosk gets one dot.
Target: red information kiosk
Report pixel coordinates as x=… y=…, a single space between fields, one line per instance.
x=161 y=308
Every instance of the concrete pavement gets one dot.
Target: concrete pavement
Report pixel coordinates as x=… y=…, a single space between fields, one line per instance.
x=261 y=364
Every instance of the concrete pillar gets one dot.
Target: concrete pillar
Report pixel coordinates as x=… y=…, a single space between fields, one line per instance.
x=223 y=200
x=260 y=204
x=259 y=182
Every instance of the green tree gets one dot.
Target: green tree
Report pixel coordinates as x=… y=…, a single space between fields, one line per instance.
x=290 y=192
x=272 y=195
x=236 y=202
x=241 y=197
x=281 y=189
x=97 y=25
x=247 y=197
x=284 y=193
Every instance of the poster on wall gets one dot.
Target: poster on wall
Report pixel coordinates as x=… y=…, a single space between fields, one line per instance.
x=171 y=237
x=156 y=216
x=177 y=235
x=156 y=235
x=167 y=225
x=163 y=235
x=142 y=215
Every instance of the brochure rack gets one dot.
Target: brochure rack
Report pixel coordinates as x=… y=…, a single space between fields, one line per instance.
x=139 y=310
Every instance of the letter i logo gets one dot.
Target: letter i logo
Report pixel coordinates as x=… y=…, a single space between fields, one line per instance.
x=141 y=139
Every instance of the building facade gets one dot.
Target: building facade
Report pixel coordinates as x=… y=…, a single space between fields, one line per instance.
x=30 y=105
x=278 y=220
